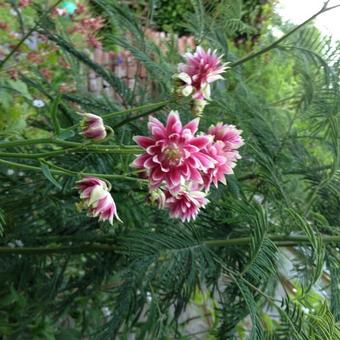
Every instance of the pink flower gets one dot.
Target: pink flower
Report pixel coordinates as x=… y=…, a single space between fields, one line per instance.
x=92 y=126
x=97 y=199
x=93 y=42
x=173 y=152
x=103 y=207
x=87 y=185
x=225 y=161
x=228 y=134
x=93 y=24
x=185 y=204
x=201 y=69
x=24 y=3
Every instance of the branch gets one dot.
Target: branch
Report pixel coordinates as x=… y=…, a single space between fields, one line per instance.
x=280 y=241
x=92 y=248
x=143 y=114
x=66 y=172
x=275 y=43
x=79 y=149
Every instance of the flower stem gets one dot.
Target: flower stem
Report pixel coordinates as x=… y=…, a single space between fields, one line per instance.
x=70 y=147
x=70 y=150
x=279 y=240
x=143 y=114
x=152 y=106
x=149 y=107
x=66 y=172
x=89 y=248
x=26 y=142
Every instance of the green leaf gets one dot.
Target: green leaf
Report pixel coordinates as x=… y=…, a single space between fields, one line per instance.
x=315 y=240
x=2 y=222
x=66 y=134
x=46 y=171
x=20 y=87
x=68 y=334
x=54 y=115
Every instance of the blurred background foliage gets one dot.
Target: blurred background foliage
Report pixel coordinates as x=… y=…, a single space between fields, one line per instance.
x=163 y=274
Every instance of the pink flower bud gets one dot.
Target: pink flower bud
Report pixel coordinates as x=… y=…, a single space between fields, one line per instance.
x=97 y=199
x=157 y=196
x=103 y=206
x=87 y=185
x=93 y=127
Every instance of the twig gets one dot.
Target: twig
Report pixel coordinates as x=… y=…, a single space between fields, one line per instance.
x=275 y=43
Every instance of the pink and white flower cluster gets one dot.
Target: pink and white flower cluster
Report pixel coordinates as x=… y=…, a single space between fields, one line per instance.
x=97 y=199
x=195 y=76
x=181 y=165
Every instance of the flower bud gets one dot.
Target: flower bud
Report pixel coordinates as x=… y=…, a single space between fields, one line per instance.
x=183 y=85
x=96 y=198
x=198 y=106
x=92 y=127
x=157 y=196
x=103 y=206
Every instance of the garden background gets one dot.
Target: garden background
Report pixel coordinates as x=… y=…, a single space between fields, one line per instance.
x=261 y=261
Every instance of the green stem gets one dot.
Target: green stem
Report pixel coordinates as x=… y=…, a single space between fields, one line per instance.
x=17 y=46
x=26 y=142
x=143 y=114
x=280 y=241
x=153 y=106
x=91 y=248
x=66 y=172
x=277 y=239
x=70 y=150
x=85 y=146
x=37 y=155
x=150 y=107
x=275 y=43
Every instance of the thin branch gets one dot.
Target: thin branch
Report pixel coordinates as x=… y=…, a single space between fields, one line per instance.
x=279 y=240
x=66 y=172
x=93 y=248
x=78 y=249
x=78 y=149
x=143 y=114
x=275 y=43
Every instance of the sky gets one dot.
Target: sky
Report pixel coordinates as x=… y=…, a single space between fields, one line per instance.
x=297 y=11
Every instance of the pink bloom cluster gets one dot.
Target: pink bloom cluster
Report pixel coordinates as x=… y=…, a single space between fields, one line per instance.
x=195 y=76
x=181 y=165
x=97 y=199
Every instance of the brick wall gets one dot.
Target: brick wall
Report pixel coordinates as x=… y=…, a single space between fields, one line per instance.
x=125 y=67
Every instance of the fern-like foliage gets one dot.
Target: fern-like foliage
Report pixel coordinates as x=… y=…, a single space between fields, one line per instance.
x=281 y=202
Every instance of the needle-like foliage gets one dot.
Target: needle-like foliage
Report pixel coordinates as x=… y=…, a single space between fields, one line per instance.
x=60 y=269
